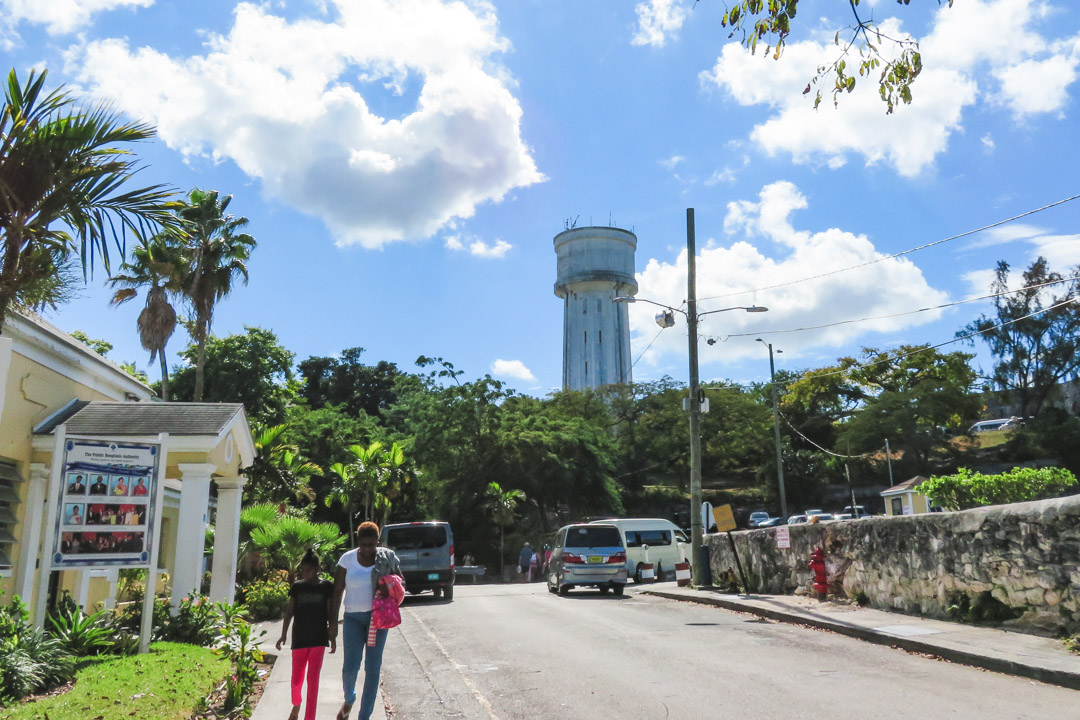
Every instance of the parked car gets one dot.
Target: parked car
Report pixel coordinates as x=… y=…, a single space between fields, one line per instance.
x=587 y=555
x=815 y=511
x=998 y=424
x=772 y=522
x=667 y=544
x=426 y=551
x=756 y=518
x=843 y=516
x=856 y=511
x=797 y=519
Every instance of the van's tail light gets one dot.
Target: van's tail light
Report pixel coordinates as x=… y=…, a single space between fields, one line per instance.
x=451 y=557
x=572 y=559
x=617 y=558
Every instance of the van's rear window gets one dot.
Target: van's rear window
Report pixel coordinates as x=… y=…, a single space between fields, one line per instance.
x=652 y=538
x=593 y=537
x=418 y=537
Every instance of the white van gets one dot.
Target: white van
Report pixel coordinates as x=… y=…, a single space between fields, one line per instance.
x=667 y=544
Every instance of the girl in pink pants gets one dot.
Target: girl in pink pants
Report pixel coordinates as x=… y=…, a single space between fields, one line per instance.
x=309 y=606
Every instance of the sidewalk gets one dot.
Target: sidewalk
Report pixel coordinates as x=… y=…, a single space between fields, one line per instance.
x=1003 y=651
x=276 y=701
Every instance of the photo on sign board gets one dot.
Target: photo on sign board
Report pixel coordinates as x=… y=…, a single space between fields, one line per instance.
x=76 y=484
x=74 y=514
x=99 y=485
x=119 y=486
x=139 y=489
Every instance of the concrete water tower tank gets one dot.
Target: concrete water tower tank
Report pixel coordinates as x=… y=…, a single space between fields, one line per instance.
x=596 y=265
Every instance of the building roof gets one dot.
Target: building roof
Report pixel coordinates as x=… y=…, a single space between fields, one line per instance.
x=144 y=418
x=907 y=485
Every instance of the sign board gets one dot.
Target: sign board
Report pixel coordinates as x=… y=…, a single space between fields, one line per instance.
x=106 y=514
x=783 y=537
x=706 y=516
x=724 y=519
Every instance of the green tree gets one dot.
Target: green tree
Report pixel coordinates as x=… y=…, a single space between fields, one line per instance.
x=252 y=368
x=101 y=347
x=279 y=471
x=215 y=254
x=1034 y=334
x=967 y=489
x=349 y=383
x=63 y=189
x=503 y=504
x=287 y=539
x=155 y=265
x=769 y=23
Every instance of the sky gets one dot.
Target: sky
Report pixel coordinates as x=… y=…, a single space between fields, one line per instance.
x=406 y=164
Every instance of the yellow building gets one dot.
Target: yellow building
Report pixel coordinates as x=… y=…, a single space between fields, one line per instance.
x=905 y=499
x=52 y=385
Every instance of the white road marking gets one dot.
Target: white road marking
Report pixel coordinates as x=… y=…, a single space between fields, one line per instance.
x=465 y=678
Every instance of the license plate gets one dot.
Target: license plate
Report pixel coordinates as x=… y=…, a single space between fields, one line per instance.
x=433 y=576
x=596 y=559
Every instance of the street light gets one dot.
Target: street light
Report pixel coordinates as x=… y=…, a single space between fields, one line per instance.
x=692 y=316
x=776 y=428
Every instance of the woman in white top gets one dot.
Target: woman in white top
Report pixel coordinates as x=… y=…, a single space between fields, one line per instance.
x=357 y=577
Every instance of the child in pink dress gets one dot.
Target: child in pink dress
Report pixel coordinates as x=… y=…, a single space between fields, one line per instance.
x=309 y=605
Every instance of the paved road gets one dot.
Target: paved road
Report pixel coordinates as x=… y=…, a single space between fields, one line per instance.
x=515 y=651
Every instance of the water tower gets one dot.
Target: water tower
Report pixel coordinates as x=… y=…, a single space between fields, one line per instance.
x=596 y=265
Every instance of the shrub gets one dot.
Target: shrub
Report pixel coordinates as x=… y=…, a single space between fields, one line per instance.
x=195 y=622
x=266 y=599
x=81 y=634
x=967 y=489
x=30 y=660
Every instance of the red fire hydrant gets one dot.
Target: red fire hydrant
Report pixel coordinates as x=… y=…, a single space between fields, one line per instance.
x=817 y=564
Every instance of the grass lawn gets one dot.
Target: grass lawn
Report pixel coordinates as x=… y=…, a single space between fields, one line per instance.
x=166 y=683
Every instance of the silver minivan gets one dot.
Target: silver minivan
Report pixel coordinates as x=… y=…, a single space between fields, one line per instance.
x=587 y=555
x=426 y=551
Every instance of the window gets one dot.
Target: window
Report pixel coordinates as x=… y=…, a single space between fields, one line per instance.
x=652 y=538
x=419 y=537
x=897 y=506
x=8 y=498
x=590 y=536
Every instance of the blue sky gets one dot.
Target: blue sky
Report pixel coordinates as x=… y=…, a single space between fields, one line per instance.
x=405 y=165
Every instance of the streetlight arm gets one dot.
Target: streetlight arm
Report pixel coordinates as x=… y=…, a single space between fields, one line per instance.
x=628 y=299
x=747 y=308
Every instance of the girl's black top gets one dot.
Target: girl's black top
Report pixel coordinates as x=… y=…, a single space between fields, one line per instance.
x=311 y=613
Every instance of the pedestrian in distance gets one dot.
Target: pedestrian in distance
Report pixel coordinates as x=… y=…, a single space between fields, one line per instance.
x=308 y=611
x=523 y=562
x=357 y=579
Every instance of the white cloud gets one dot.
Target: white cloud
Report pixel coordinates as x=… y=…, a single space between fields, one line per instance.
x=726 y=175
x=478 y=247
x=512 y=369
x=979 y=48
x=288 y=102
x=987 y=141
x=658 y=20
x=60 y=16
x=672 y=161
x=889 y=286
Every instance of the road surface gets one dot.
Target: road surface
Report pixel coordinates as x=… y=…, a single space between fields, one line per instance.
x=503 y=652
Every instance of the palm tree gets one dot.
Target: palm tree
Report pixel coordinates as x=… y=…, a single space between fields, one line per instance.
x=502 y=504
x=215 y=254
x=62 y=187
x=156 y=264
x=343 y=490
x=289 y=538
x=279 y=469
x=366 y=479
x=396 y=473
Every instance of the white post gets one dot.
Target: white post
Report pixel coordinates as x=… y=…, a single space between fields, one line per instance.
x=191 y=525
x=226 y=539
x=111 y=577
x=51 y=506
x=82 y=587
x=146 y=627
x=33 y=518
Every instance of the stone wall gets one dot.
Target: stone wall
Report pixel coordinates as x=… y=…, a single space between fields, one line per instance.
x=1025 y=556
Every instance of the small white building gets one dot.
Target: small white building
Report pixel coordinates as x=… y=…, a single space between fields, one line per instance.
x=595 y=265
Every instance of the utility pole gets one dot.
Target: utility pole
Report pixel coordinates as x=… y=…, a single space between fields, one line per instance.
x=888 y=459
x=694 y=404
x=776 y=432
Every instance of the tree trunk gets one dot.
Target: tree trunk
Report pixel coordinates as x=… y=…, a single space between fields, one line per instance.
x=200 y=360
x=502 y=553
x=349 y=521
x=164 y=374
x=7 y=276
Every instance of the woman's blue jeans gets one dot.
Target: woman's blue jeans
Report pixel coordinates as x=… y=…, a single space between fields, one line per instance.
x=355 y=637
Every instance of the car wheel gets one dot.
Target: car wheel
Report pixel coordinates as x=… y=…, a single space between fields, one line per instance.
x=448 y=592
x=637 y=573
x=659 y=577
x=564 y=590
x=437 y=592
x=618 y=588
x=551 y=589
x=604 y=589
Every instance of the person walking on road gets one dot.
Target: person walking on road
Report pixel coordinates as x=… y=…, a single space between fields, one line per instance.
x=523 y=561
x=357 y=578
x=309 y=604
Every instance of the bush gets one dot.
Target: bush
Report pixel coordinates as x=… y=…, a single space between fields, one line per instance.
x=30 y=660
x=81 y=634
x=266 y=599
x=967 y=489
x=195 y=623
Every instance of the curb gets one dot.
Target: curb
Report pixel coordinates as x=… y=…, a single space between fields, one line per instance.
x=1051 y=676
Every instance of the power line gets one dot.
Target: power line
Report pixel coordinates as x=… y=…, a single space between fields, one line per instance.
x=827 y=452
x=896 y=255
x=900 y=314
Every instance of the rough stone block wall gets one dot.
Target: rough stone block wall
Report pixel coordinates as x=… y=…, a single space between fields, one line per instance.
x=1025 y=556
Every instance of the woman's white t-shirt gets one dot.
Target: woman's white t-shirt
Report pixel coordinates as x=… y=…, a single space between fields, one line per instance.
x=358 y=595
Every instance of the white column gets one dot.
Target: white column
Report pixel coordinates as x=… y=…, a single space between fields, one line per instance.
x=112 y=575
x=191 y=528
x=33 y=517
x=226 y=539
x=82 y=587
